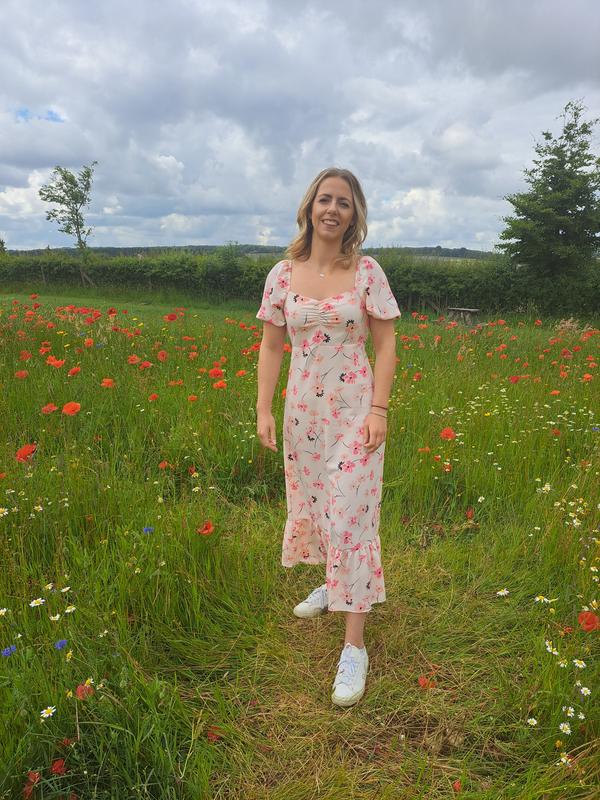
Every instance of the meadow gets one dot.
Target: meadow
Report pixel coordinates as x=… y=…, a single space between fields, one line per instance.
x=148 y=646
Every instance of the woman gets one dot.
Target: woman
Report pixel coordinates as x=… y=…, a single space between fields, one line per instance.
x=327 y=298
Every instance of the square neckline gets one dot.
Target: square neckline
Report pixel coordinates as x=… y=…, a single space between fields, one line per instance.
x=332 y=296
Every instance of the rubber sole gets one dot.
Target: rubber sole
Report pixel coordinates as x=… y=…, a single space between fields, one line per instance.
x=313 y=611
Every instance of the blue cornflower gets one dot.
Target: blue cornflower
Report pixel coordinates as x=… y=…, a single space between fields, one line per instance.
x=148 y=529
x=8 y=651
x=60 y=644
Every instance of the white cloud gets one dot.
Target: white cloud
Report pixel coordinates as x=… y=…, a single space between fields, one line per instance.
x=209 y=118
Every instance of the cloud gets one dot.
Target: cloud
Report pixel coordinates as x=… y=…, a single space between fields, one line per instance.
x=209 y=119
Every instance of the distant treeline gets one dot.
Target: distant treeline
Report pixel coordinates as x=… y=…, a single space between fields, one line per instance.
x=253 y=250
x=421 y=281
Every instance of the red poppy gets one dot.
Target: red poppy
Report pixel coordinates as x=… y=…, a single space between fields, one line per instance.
x=133 y=359
x=163 y=465
x=73 y=371
x=162 y=355
x=588 y=621
x=220 y=385
x=49 y=408
x=71 y=408
x=58 y=767
x=192 y=398
x=24 y=355
x=152 y=397
x=88 y=342
x=24 y=453
x=32 y=779
x=207 y=529
x=170 y=317
x=215 y=372
x=469 y=514
x=83 y=691
x=107 y=383
x=21 y=374
x=447 y=434
x=213 y=733
x=240 y=373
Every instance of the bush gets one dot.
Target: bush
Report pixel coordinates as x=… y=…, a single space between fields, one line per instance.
x=425 y=284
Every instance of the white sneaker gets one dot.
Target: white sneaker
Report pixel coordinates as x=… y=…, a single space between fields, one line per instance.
x=315 y=603
x=349 y=684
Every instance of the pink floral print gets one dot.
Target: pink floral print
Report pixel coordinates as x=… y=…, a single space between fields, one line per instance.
x=333 y=486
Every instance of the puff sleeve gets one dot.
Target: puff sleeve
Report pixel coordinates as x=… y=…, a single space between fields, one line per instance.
x=276 y=286
x=379 y=300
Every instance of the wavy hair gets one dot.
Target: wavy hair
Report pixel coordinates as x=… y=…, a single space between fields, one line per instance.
x=300 y=246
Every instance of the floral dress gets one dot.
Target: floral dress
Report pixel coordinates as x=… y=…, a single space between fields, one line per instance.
x=333 y=486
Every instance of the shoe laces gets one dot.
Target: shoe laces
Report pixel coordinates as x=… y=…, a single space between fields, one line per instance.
x=316 y=595
x=347 y=669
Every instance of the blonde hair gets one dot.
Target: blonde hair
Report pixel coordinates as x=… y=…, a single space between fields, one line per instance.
x=300 y=246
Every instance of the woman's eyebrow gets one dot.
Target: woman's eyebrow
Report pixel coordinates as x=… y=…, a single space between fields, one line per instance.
x=326 y=194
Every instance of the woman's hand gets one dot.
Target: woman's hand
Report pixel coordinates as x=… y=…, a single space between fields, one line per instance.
x=265 y=428
x=375 y=432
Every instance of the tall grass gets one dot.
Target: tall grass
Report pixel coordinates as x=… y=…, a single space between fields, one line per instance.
x=149 y=532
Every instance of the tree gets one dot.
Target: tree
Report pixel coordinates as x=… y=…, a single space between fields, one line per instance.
x=556 y=227
x=71 y=194
x=2 y=246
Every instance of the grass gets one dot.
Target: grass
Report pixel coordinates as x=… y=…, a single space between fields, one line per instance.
x=200 y=681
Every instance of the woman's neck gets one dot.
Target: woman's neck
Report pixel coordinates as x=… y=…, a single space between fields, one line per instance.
x=322 y=254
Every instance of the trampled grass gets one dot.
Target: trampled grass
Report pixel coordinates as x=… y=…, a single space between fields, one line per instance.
x=148 y=644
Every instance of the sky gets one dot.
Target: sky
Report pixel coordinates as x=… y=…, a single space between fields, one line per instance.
x=209 y=118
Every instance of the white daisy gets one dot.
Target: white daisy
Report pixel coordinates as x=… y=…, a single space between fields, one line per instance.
x=564 y=727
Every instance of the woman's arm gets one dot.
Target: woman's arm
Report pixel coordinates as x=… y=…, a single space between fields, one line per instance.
x=269 y=366
x=384 y=344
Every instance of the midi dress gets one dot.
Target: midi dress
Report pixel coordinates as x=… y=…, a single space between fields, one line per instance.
x=333 y=485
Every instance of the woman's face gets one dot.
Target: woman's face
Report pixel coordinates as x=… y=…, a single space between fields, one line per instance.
x=332 y=210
